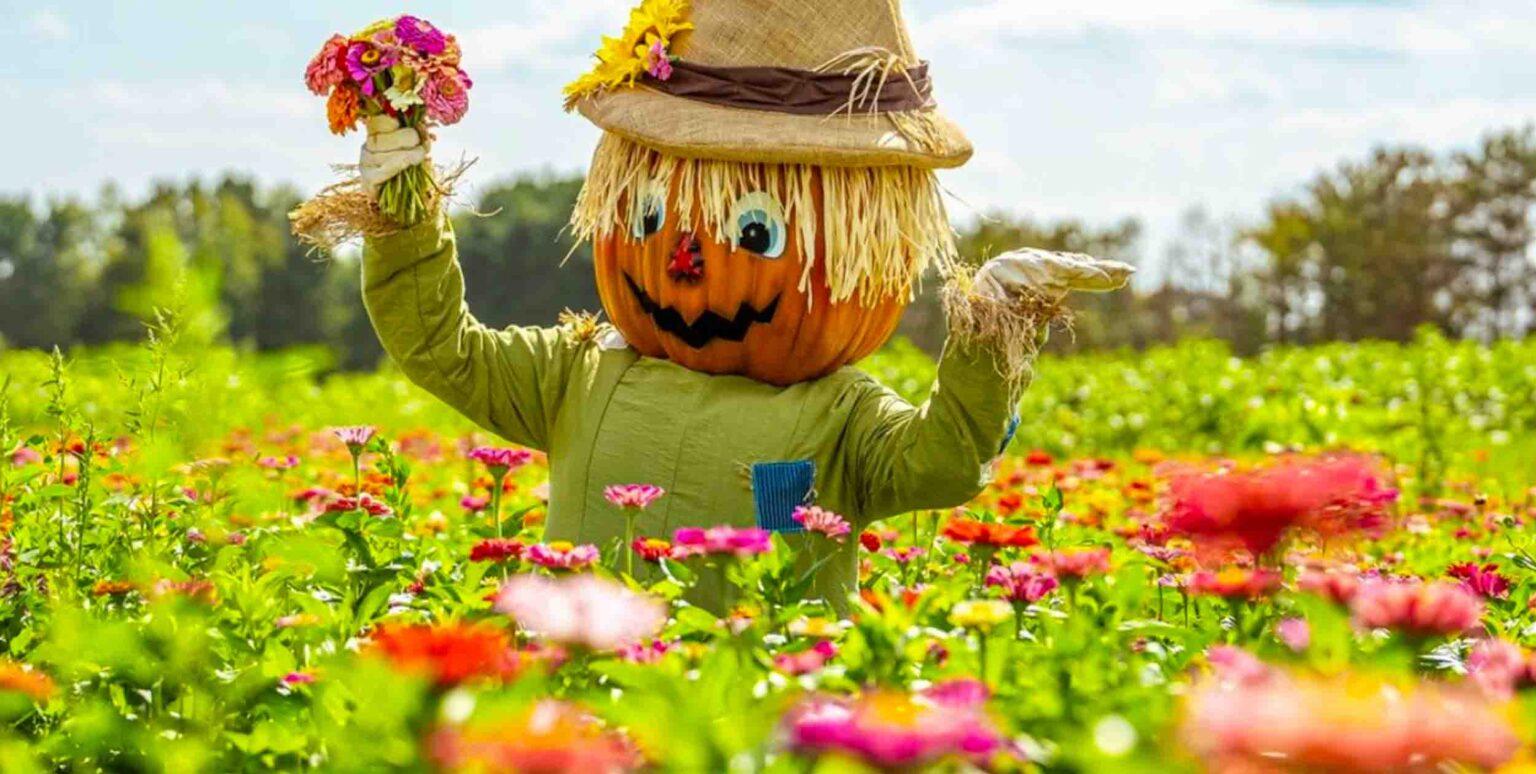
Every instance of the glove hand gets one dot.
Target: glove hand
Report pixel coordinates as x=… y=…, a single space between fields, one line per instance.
x=389 y=150
x=1048 y=274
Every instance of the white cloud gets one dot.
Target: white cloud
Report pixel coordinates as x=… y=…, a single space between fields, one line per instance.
x=48 y=25
x=1451 y=27
x=561 y=32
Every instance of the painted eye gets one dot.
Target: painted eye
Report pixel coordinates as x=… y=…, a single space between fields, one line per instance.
x=649 y=213
x=757 y=224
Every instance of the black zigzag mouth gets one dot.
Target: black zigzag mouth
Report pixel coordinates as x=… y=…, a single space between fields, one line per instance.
x=709 y=326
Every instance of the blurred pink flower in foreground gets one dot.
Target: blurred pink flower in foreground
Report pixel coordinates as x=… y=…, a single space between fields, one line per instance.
x=822 y=521
x=895 y=730
x=1416 y=608
x=636 y=496
x=1296 y=633
x=1232 y=664
x=693 y=541
x=1342 y=725
x=581 y=610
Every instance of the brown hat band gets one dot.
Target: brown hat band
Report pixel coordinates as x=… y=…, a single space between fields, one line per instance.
x=803 y=92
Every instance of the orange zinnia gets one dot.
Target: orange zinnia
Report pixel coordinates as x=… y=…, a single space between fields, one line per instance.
x=341 y=109
x=449 y=653
x=21 y=679
x=988 y=534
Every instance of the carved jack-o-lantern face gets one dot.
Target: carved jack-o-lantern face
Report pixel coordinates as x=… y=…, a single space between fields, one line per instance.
x=731 y=303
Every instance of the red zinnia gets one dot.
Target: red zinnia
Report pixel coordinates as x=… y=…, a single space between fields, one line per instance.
x=1254 y=508
x=496 y=550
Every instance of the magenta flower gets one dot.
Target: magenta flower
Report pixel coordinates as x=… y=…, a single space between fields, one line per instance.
x=660 y=66
x=500 y=461
x=25 y=456
x=298 y=678
x=581 y=610
x=693 y=541
x=355 y=437
x=278 y=463
x=366 y=503
x=561 y=555
x=329 y=67
x=474 y=503
x=365 y=60
x=1020 y=582
x=635 y=496
x=823 y=521
x=891 y=730
x=419 y=34
x=1484 y=581
x=647 y=652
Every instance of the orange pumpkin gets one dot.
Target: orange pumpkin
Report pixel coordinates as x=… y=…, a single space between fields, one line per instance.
x=731 y=303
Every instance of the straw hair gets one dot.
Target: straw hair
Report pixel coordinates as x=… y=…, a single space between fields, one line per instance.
x=875 y=228
x=347 y=211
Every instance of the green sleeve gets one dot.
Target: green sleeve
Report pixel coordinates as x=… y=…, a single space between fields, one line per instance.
x=936 y=455
x=510 y=382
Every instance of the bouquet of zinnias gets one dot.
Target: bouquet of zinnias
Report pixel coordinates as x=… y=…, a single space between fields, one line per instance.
x=403 y=68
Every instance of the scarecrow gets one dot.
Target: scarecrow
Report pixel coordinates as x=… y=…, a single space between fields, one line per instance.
x=761 y=206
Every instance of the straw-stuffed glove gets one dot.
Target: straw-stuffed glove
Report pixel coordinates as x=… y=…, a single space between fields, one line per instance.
x=389 y=150
x=1052 y=275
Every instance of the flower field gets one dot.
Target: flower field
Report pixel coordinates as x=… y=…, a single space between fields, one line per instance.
x=1317 y=560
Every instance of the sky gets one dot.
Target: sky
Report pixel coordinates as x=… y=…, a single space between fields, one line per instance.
x=1092 y=109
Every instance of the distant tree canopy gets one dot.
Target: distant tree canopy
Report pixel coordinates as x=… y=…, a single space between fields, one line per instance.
x=1371 y=249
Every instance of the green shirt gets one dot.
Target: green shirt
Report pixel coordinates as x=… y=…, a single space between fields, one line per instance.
x=607 y=415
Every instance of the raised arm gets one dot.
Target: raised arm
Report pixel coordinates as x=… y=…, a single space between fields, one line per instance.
x=510 y=381
x=938 y=455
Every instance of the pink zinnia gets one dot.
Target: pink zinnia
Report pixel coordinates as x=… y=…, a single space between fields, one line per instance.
x=496 y=550
x=581 y=610
x=561 y=555
x=1077 y=563
x=474 y=503
x=1498 y=667
x=420 y=35
x=1020 y=582
x=1416 y=608
x=446 y=95
x=823 y=521
x=723 y=540
x=355 y=437
x=500 y=461
x=329 y=67
x=25 y=456
x=365 y=503
x=647 y=652
x=636 y=496
x=1335 y=585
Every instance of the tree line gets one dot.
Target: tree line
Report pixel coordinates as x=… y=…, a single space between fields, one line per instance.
x=1371 y=249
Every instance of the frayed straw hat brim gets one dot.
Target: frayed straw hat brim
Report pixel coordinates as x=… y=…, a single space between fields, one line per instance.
x=698 y=130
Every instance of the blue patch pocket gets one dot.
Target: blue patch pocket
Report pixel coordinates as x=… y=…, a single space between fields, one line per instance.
x=1013 y=428
x=778 y=488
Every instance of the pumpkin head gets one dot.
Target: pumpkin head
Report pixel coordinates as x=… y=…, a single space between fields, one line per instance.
x=775 y=272
x=733 y=303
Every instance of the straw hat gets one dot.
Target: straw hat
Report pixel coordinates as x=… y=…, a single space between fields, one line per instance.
x=822 y=82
